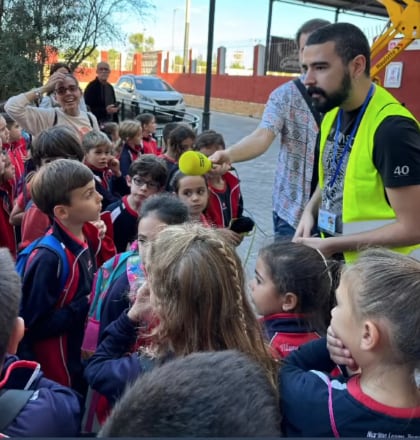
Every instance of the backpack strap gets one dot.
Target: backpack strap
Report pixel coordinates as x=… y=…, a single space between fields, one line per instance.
x=302 y=89
x=90 y=120
x=50 y=242
x=11 y=404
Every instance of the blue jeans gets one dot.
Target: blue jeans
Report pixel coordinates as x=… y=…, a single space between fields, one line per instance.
x=282 y=229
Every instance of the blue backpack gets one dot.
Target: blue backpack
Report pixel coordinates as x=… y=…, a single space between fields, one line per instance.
x=48 y=242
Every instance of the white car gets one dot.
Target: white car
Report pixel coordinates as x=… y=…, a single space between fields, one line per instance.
x=151 y=94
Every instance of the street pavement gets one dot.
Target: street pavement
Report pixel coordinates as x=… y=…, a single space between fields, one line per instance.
x=256 y=177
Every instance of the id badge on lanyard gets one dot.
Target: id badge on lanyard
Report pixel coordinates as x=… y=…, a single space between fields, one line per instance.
x=327 y=220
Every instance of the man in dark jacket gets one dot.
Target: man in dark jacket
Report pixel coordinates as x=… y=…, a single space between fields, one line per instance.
x=100 y=96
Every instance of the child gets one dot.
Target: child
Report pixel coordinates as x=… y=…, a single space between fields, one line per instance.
x=192 y=190
x=54 y=143
x=17 y=151
x=132 y=148
x=55 y=319
x=50 y=410
x=7 y=174
x=156 y=212
x=148 y=126
x=180 y=139
x=219 y=384
x=197 y=292
x=167 y=129
x=225 y=198
x=109 y=181
x=377 y=320
x=146 y=176
x=292 y=290
x=112 y=130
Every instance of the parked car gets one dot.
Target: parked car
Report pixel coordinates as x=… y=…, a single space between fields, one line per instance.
x=146 y=93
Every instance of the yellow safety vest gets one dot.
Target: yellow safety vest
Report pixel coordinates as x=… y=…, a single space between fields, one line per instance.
x=364 y=203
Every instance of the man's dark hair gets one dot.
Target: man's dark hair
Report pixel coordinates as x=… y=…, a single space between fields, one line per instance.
x=310 y=26
x=349 y=41
x=210 y=394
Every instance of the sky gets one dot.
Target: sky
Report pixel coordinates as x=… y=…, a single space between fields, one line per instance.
x=235 y=20
x=238 y=23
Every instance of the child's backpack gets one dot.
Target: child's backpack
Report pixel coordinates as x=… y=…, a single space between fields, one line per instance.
x=53 y=244
x=11 y=404
x=113 y=268
x=97 y=407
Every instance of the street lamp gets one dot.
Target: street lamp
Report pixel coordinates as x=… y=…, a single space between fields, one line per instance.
x=186 y=35
x=173 y=28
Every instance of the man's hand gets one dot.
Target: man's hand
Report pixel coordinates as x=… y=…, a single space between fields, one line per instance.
x=322 y=244
x=305 y=226
x=112 y=108
x=221 y=162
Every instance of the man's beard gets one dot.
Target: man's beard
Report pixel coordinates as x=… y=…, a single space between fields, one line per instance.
x=334 y=99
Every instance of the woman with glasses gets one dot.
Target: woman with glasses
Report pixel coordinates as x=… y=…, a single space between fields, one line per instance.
x=67 y=94
x=48 y=100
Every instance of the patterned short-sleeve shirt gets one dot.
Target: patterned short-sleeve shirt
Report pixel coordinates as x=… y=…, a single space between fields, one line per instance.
x=287 y=115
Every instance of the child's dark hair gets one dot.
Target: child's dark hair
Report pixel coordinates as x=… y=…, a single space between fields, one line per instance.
x=145 y=118
x=219 y=383
x=149 y=165
x=95 y=139
x=176 y=178
x=56 y=142
x=302 y=270
x=109 y=128
x=9 y=120
x=178 y=135
x=53 y=183
x=167 y=130
x=208 y=138
x=166 y=207
x=10 y=295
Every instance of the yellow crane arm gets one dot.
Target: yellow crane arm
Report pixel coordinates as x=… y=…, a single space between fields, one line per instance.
x=404 y=21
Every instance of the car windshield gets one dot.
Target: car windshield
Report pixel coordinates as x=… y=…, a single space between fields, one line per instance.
x=154 y=84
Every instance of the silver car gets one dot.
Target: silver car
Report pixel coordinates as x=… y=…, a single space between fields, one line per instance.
x=143 y=93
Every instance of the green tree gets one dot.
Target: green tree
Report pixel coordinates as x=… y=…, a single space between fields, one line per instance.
x=141 y=43
x=31 y=29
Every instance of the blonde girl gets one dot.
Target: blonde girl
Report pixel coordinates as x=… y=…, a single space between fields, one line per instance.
x=197 y=292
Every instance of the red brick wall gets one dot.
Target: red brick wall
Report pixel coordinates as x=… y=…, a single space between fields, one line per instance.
x=246 y=95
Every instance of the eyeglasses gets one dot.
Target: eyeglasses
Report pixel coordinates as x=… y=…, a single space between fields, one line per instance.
x=103 y=69
x=149 y=184
x=63 y=90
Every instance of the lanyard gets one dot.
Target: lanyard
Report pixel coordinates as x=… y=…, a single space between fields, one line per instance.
x=349 y=139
